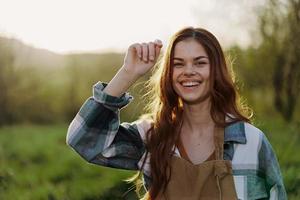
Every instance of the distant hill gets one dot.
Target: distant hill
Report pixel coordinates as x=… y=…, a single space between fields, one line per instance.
x=37 y=85
x=27 y=56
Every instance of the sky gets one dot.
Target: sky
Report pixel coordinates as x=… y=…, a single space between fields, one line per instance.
x=66 y=26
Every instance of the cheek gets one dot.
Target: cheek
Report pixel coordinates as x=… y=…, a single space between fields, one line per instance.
x=208 y=70
x=175 y=84
x=175 y=75
x=208 y=73
x=205 y=72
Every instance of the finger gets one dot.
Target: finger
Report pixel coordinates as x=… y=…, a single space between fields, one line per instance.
x=158 y=46
x=158 y=42
x=145 y=52
x=151 y=51
x=138 y=49
x=157 y=51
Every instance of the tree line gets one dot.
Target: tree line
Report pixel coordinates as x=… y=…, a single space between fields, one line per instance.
x=39 y=86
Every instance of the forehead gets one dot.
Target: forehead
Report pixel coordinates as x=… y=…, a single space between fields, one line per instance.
x=189 y=48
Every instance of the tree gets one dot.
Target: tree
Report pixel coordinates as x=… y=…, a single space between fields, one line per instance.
x=6 y=78
x=280 y=30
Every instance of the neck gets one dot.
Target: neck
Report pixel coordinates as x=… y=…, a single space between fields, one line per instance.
x=197 y=117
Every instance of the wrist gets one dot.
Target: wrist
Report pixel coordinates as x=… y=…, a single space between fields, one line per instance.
x=129 y=75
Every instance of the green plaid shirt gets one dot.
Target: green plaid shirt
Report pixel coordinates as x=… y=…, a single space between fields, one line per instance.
x=97 y=135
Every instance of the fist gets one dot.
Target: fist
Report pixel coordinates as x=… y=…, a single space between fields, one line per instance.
x=141 y=57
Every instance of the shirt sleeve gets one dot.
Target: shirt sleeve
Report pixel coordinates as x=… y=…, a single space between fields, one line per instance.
x=97 y=135
x=269 y=165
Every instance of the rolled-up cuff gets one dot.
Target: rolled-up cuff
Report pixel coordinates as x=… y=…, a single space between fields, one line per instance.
x=108 y=100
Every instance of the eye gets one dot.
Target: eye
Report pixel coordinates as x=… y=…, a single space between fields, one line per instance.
x=201 y=63
x=177 y=64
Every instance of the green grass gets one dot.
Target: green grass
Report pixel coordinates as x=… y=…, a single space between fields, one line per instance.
x=36 y=163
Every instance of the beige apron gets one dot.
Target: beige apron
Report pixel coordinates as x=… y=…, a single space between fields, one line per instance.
x=210 y=180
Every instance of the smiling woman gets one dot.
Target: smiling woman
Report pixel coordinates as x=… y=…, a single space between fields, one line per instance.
x=191 y=71
x=196 y=141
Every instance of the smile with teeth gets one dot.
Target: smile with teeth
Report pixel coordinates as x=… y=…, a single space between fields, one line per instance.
x=190 y=83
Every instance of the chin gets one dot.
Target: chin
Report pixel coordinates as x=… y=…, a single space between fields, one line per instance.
x=195 y=100
x=191 y=101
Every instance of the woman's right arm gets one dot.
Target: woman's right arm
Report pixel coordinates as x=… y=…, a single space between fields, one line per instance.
x=96 y=133
x=139 y=59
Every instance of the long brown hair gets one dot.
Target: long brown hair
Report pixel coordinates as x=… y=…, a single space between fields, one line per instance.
x=165 y=107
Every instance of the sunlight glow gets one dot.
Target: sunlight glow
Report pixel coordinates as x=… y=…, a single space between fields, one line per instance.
x=95 y=25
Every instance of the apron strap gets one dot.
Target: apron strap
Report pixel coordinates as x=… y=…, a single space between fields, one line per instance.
x=219 y=142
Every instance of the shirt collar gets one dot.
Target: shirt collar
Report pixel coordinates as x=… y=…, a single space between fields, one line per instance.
x=235 y=133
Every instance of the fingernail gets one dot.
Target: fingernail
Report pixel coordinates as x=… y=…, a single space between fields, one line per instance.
x=151 y=57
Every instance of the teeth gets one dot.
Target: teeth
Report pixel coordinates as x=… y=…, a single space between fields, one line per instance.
x=192 y=83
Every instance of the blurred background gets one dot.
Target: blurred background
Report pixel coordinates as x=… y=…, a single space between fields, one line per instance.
x=52 y=52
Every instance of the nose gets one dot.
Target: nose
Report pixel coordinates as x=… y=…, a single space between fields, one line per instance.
x=189 y=70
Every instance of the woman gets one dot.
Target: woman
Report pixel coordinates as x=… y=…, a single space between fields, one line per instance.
x=196 y=141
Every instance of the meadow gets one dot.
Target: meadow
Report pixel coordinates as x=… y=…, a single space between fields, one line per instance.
x=36 y=163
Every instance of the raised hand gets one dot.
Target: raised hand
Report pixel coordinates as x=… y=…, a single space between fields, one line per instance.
x=141 y=57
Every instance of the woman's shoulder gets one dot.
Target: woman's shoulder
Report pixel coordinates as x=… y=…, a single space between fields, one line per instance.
x=255 y=138
x=252 y=131
x=245 y=131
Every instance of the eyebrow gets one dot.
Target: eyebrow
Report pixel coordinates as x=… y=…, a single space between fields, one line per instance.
x=197 y=58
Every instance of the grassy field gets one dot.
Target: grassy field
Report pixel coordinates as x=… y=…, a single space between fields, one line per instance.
x=35 y=163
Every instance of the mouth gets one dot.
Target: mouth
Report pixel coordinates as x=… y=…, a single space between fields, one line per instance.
x=190 y=84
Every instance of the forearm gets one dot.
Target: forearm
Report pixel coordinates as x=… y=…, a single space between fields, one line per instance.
x=97 y=135
x=120 y=83
x=94 y=127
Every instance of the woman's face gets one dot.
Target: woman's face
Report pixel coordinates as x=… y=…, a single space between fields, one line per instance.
x=191 y=69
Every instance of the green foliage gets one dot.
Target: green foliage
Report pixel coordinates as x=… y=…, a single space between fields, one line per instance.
x=268 y=72
x=42 y=87
x=6 y=78
x=280 y=30
x=36 y=163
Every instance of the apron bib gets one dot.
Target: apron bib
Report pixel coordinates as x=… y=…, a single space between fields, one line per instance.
x=210 y=180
